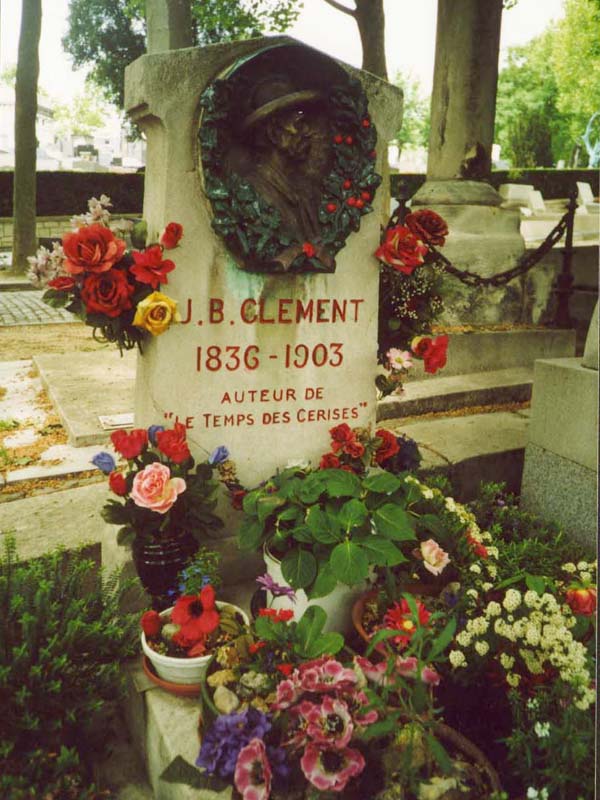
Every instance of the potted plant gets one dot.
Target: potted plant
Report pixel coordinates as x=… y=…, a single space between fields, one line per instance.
x=180 y=641
x=164 y=502
x=324 y=530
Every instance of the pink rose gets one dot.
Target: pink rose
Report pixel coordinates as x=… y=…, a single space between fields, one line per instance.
x=154 y=488
x=434 y=558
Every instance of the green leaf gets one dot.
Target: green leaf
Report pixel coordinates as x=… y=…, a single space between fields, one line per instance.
x=324 y=584
x=249 y=502
x=323 y=526
x=353 y=514
x=299 y=568
x=378 y=729
x=181 y=771
x=380 y=636
x=267 y=504
x=349 y=563
x=289 y=514
x=340 y=483
x=443 y=640
x=139 y=233
x=433 y=524
x=250 y=535
x=394 y=523
x=125 y=536
x=302 y=533
x=311 y=640
x=382 y=552
x=382 y=483
x=537 y=583
x=438 y=751
x=310 y=489
x=328 y=644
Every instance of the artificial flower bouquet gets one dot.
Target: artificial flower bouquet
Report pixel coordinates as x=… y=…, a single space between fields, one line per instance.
x=114 y=290
x=410 y=297
x=162 y=490
x=197 y=625
x=355 y=450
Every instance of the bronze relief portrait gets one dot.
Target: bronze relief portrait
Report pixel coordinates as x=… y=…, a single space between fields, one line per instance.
x=288 y=152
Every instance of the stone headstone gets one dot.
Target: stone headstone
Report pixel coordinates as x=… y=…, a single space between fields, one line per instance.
x=590 y=353
x=264 y=362
x=536 y=201
x=584 y=193
x=517 y=193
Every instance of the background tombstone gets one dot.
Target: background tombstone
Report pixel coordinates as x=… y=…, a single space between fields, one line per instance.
x=264 y=363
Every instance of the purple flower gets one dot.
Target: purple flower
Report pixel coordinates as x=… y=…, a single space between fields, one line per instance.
x=105 y=462
x=152 y=431
x=228 y=734
x=218 y=455
x=267 y=582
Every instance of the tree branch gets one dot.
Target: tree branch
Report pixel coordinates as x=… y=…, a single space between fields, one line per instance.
x=340 y=7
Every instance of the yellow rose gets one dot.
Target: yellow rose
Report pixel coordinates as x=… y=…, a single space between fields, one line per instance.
x=156 y=313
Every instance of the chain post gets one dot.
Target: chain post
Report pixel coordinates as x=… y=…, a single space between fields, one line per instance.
x=564 y=282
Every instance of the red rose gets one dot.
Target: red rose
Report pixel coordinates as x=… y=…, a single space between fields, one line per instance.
x=354 y=449
x=329 y=461
x=117 y=483
x=435 y=357
x=388 y=447
x=62 y=284
x=285 y=669
x=171 y=236
x=92 y=248
x=107 y=293
x=173 y=444
x=149 y=266
x=428 y=226
x=341 y=435
x=129 y=444
x=151 y=624
x=582 y=601
x=401 y=250
x=308 y=249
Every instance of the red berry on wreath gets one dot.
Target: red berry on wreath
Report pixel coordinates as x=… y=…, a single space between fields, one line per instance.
x=351 y=201
x=338 y=138
x=366 y=123
x=366 y=196
x=349 y=140
x=330 y=208
x=373 y=154
x=347 y=184
x=360 y=203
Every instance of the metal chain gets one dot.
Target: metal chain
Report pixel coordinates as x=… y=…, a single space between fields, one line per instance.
x=523 y=265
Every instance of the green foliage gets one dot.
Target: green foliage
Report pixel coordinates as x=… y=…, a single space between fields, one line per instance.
x=107 y=35
x=551 y=742
x=62 y=638
x=304 y=639
x=328 y=525
x=203 y=568
x=84 y=114
x=416 y=115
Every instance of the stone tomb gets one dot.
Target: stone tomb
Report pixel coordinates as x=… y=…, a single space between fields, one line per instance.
x=278 y=341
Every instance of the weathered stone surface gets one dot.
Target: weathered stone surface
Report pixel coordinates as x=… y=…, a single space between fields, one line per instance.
x=590 y=354
x=495 y=350
x=262 y=431
x=564 y=410
x=559 y=490
x=456 y=193
x=458 y=391
x=85 y=386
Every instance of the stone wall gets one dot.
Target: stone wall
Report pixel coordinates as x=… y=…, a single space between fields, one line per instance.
x=46 y=227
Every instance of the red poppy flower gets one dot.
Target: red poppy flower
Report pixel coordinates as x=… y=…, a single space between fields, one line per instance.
x=194 y=620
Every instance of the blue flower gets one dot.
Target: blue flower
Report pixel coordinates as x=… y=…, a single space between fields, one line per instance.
x=228 y=734
x=218 y=455
x=105 y=462
x=152 y=431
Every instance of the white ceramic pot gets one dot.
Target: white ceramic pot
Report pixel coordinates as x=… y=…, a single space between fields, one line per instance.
x=182 y=670
x=337 y=605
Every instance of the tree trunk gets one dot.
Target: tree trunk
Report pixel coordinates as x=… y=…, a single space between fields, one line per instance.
x=370 y=19
x=24 y=186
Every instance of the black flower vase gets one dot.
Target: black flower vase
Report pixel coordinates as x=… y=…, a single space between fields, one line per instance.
x=159 y=561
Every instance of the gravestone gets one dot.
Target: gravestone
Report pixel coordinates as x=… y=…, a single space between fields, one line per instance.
x=266 y=151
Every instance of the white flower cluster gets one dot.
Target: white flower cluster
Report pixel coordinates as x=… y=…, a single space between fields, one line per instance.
x=45 y=265
x=533 y=794
x=98 y=213
x=538 y=628
x=584 y=572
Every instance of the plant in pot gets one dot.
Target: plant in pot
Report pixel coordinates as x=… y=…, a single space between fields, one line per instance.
x=165 y=504
x=180 y=641
x=323 y=531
